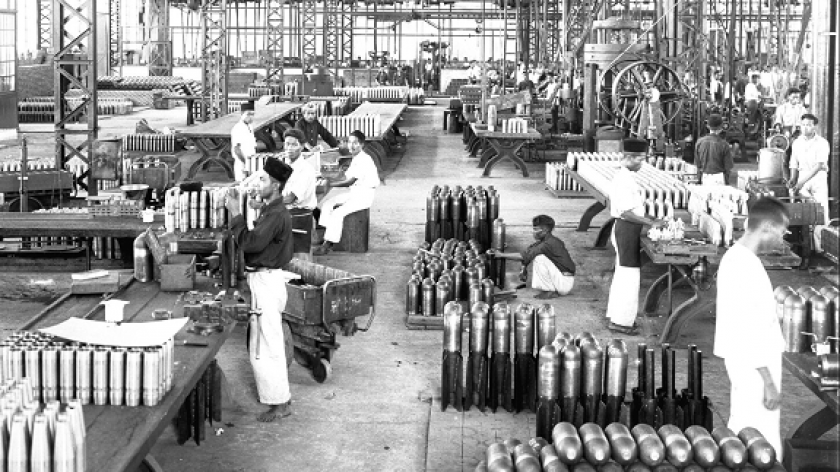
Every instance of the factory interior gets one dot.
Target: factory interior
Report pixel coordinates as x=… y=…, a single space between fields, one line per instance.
x=467 y=303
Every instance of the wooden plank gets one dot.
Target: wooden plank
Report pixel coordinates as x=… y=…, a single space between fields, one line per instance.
x=112 y=227
x=220 y=127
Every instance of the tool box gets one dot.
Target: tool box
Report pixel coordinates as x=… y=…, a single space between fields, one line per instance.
x=322 y=303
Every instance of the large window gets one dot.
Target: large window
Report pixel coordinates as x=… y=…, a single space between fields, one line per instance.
x=8 y=59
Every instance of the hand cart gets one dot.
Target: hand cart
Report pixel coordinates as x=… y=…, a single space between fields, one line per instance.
x=324 y=302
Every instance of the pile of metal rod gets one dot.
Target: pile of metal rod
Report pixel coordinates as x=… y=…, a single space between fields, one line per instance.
x=462 y=213
x=149 y=142
x=454 y=271
x=558 y=177
x=809 y=316
x=617 y=448
x=101 y=375
x=342 y=126
x=39 y=439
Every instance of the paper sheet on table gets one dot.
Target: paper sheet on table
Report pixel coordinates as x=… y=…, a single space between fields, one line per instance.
x=150 y=333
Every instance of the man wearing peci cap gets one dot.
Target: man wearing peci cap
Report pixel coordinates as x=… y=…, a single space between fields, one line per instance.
x=312 y=129
x=243 y=142
x=267 y=248
x=299 y=193
x=361 y=178
x=627 y=206
x=713 y=156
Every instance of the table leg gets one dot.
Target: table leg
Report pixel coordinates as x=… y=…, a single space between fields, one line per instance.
x=208 y=157
x=589 y=214
x=149 y=464
x=701 y=301
x=486 y=155
x=814 y=424
x=506 y=151
x=474 y=145
x=660 y=286
x=263 y=135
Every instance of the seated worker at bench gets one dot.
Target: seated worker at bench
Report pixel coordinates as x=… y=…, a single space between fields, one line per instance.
x=553 y=273
x=312 y=129
x=362 y=178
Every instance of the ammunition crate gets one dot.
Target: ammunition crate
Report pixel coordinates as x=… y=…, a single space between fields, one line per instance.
x=325 y=295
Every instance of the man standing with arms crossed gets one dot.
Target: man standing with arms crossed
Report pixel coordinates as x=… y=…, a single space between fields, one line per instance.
x=243 y=142
x=747 y=332
x=809 y=169
x=713 y=154
x=267 y=248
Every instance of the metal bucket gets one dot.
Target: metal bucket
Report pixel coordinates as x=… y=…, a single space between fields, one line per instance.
x=770 y=163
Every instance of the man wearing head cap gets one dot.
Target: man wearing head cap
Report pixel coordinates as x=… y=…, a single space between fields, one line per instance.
x=299 y=194
x=712 y=155
x=362 y=178
x=267 y=248
x=243 y=142
x=627 y=206
x=312 y=129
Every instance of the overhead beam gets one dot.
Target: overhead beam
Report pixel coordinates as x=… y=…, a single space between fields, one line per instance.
x=214 y=59
x=274 y=72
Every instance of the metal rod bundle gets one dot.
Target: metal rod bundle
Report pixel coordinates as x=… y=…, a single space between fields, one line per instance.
x=558 y=177
x=616 y=448
x=162 y=143
x=67 y=372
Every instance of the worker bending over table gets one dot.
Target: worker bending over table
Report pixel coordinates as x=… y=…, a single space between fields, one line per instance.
x=267 y=248
x=627 y=206
x=553 y=273
x=312 y=129
x=748 y=335
x=361 y=178
x=243 y=142
x=713 y=154
x=809 y=170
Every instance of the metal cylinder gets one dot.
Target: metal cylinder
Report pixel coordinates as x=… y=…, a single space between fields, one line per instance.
x=100 y=375
x=733 y=452
x=412 y=296
x=116 y=376
x=592 y=370
x=570 y=372
x=622 y=445
x=66 y=373
x=63 y=456
x=133 y=376
x=452 y=314
x=77 y=424
x=761 y=454
x=832 y=294
x=794 y=323
x=16 y=362
x=548 y=372
x=651 y=448
x=524 y=329
x=458 y=283
x=441 y=296
x=49 y=373
x=32 y=366
x=152 y=376
x=596 y=448
x=781 y=293
x=18 y=453
x=501 y=328
x=142 y=260
x=41 y=453
x=480 y=269
x=526 y=459
x=706 y=451
x=677 y=448
x=428 y=288
x=498 y=237
x=820 y=318
x=546 y=325
x=617 y=362
x=828 y=365
x=84 y=374
x=567 y=443
x=487 y=291
x=498 y=458
x=479 y=319
x=476 y=294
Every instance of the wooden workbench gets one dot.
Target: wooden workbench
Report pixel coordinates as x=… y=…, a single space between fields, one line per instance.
x=212 y=139
x=502 y=146
x=379 y=146
x=119 y=438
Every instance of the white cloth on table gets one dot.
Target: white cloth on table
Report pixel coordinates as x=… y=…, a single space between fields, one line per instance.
x=546 y=276
x=748 y=337
x=805 y=155
x=268 y=295
x=713 y=179
x=242 y=135
x=302 y=183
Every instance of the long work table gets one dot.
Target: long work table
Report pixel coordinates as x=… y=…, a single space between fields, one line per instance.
x=496 y=146
x=120 y=438
x=379 y=146
x=212 y=139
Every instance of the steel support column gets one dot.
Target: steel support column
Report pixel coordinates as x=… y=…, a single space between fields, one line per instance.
x=44 y=23
x=160 y=42
x=274 y=41
x=74 y=42
x=114 y=38
x=309 y=28
x=346 y=8
x=214 y=62
x=332 y=53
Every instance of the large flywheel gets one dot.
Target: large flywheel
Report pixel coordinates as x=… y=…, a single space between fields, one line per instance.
x=633 y=81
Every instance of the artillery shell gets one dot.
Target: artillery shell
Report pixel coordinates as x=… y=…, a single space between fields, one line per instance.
x=651 y=448
x=762 y=455
x=596 y=448
x=622 y=444
x=479 y=327
x=32 y=365
x=677 y=448
x=49 y=373
x=548 y=373
x=546 y=325
x=570 y=372
x=511 y=444
x=525 y=459
x=151 y=377
x=16 y=362
x=537 y=444
x=18 y=453
x=77 y=426
x=592 y=369
x=84 y=374
x=616 y=375
x=795 y=321
x=452 y=327
x=501 y=328
x=133 y=376
x=63 y=448
x=551 y=461
x=706 y=450
x=498 y=458
x=41 y=454
x=567 y=443
x=116 y=376
x=66 y=373
x=524 y=329
x=100 y=375
x=733 y=452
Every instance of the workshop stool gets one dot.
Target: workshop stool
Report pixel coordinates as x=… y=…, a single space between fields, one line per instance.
x=354 y=235
x=302 y=226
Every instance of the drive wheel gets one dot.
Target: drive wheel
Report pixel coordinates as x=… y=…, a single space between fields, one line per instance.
x=322 y=371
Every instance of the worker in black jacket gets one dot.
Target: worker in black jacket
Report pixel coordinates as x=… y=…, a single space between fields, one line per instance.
x=312 y=129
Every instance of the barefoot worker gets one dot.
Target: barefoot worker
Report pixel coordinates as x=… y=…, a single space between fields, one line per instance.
x=553 y=271
x=267 y=248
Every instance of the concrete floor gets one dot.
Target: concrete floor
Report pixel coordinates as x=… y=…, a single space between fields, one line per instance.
x=381 y=408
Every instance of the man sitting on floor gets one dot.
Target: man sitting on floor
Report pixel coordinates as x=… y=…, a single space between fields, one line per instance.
x=553 y=273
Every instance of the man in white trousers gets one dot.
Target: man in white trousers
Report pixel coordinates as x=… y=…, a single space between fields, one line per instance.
x=747 y=332
x=809 y=170
x=267 y=248
x=361 y=180
x=627 y=206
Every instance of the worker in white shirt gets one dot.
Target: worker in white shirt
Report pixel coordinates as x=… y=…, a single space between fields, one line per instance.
x=299 y=192
x=809 y=170
x=361 y=178
x=747 y=332
x=789 y=113
x=243 y=142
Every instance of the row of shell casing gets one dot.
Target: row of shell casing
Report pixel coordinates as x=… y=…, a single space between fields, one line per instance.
x=197 y=210
x=811 y=311
x=36 y=439
x=31 y=165
x=360 y=94
x=149 y=142
x=342 y=126
x=462 y=213
x=100 y=375
x=106 y=248
x=558 y=177
x=618 y=448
